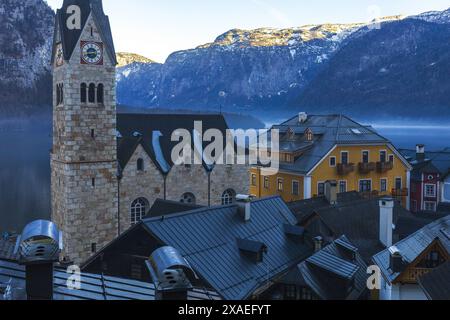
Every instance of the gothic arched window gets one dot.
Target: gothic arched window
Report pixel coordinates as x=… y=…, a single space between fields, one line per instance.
x=138 y=211
x=100 y=93
x=140 y=165
x=83 y=92
x=91 y=94
x=228 y=197
x=188 y=198
x=61 y=93
x=58 y=95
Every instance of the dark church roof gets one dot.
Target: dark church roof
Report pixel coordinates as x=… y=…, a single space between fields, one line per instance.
x=332 y=271
x=93 y=286
x=166 y=207
x=69 y=38
x=140 y=129
x=436 y=284
x=208 y=239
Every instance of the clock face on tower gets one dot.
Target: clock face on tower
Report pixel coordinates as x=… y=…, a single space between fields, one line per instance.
x=91 y=53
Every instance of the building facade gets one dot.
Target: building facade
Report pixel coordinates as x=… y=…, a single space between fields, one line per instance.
x=84 y=154
x=108 y=169
x=430 y=183
x=315 y=149
x=404 y=264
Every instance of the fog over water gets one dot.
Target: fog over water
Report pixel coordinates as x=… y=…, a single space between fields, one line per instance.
x=25 y=163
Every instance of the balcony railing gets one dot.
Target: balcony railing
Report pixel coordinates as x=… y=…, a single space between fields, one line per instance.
x=366 y=167
x=345 y=168
x=370 y=194
x=400 y=192
x=383 y=167
x=412 y=275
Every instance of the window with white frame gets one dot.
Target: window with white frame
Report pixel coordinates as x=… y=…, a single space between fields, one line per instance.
x=139 y=209
x=228 y=197
x=383 y=185
x=430 y=190
x=342 y=186
x=280 y=184
x=295 y=188
x=430 y=206
x=332 y=161
x=266 y=183
x=321 y=189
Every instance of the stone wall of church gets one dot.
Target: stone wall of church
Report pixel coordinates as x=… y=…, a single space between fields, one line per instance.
x=85 y=204
x=84 y=156
x=236 y=177
x=188 y=179
x=148 y=184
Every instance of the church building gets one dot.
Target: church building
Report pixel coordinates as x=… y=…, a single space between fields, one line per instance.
x=107 y=169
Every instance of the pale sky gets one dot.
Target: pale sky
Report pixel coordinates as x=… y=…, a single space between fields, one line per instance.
x=156 y=28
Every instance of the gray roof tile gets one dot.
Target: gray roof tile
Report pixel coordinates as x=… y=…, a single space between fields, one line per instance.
x=207 y=238
x=412 y=246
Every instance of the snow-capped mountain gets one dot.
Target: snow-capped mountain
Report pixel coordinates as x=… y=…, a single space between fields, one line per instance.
x=26 y=30
x=252 y=67
x=126 y=58
x=396 y=64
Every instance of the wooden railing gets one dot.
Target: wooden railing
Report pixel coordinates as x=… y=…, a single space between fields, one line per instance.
x=383 y=167
x=366 y=167
x=345 y=168
x=413 y=274
x=400 y=192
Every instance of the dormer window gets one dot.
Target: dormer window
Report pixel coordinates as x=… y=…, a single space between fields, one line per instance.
x=309 y=135
x=290 y=134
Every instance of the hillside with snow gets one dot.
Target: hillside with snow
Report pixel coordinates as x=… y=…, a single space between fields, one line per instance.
x=26 y=31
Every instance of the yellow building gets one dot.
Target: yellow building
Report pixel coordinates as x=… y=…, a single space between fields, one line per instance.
x=315 y=149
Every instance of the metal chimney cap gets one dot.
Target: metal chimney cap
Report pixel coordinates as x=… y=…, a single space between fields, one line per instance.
x=40 y=242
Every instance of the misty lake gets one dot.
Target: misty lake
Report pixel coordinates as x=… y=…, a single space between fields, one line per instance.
x=25 y=164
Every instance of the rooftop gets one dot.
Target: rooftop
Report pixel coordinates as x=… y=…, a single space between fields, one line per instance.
x=93 y=287
x=411 y=247
x=329 y=131
x=207 y=238
x=165 y=207
x=354 y=216
x=331 y=271
x=7 y=247
x=154 y=131
x=439 y=159
x=436 y=283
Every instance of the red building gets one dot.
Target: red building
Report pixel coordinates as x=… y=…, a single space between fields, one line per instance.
x=425 y=183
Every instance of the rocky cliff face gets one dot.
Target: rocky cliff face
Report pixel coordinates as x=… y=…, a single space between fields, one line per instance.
x=400 y=69
x=252 y=68
x=126 y=58
x=332 y=68
x=26 y=30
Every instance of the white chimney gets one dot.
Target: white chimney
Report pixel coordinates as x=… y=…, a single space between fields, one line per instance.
x=302 y=117
x=420 y=152
x=331 y=192
x=244 y=203
x=386 y=221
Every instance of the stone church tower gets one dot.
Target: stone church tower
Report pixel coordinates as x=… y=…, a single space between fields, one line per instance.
x=84 y=154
